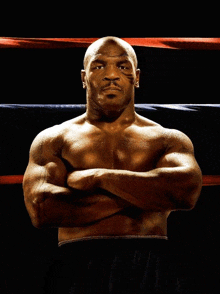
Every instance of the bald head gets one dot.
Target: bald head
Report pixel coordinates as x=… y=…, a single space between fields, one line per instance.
x=103 y=46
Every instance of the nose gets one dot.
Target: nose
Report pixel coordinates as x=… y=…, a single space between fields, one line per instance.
x=111 y=74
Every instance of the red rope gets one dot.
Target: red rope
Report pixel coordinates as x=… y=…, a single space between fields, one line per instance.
x=13 y=179
x=174 y=43
x=208 y=180
x=213 y=180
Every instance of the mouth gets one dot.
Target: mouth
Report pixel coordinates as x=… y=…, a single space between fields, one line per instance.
x=111 y=89
x=111 y=92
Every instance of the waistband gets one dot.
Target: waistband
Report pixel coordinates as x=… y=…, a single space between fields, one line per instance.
x=126 y=237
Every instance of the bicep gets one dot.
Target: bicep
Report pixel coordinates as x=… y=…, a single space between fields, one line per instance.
x=45 y=166
x=179 y=152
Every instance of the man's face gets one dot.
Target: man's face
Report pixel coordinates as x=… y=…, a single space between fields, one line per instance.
x=110 y=76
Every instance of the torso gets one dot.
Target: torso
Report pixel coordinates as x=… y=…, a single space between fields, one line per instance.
x=136 y=148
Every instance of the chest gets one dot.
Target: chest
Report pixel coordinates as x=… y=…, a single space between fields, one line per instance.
x=125 y=150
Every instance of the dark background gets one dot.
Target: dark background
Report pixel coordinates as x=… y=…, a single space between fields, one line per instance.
x=53 y=76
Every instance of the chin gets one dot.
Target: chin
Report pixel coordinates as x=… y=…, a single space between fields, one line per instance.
x=113 y=106
x=113 y=102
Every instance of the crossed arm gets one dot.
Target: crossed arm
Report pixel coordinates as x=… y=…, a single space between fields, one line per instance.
x=50 y=202
x=55 y=198
x=174 y=184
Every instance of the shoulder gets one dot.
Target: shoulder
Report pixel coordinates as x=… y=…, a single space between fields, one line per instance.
x=47 y=137
x=45 y=145
x=52 y=138
x=171 y=138
x=176 y=139
x=56 y=133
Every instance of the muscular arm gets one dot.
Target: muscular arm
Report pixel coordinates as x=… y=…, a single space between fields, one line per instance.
x=174 y=184
x=49 y=200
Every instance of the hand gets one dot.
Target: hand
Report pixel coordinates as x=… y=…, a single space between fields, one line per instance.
x=84 y=179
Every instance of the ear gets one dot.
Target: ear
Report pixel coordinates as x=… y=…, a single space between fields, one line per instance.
x=83 y=78
x=137 y=80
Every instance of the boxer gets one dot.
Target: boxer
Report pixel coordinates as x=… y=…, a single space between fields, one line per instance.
x=109 y=175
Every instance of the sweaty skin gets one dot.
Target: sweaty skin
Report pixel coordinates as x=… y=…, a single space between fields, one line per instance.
x=110 y=171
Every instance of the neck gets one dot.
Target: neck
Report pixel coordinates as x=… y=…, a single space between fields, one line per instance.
x=111 y=119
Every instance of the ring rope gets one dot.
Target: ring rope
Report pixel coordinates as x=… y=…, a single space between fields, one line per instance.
x=170 y=43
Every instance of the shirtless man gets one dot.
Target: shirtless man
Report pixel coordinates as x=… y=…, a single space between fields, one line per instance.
x=110 y=172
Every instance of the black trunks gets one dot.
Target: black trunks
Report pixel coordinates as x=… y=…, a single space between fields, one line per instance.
x=115 y=265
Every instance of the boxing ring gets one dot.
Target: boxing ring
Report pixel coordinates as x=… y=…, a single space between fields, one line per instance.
x=194 y=233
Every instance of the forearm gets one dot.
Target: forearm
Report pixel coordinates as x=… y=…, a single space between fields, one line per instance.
x=158 y=189
x=54 y=206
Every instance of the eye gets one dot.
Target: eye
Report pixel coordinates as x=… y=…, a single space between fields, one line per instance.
x=99 y=67
x=122 y=67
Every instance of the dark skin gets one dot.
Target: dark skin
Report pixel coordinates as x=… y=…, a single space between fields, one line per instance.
x=110 y=171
